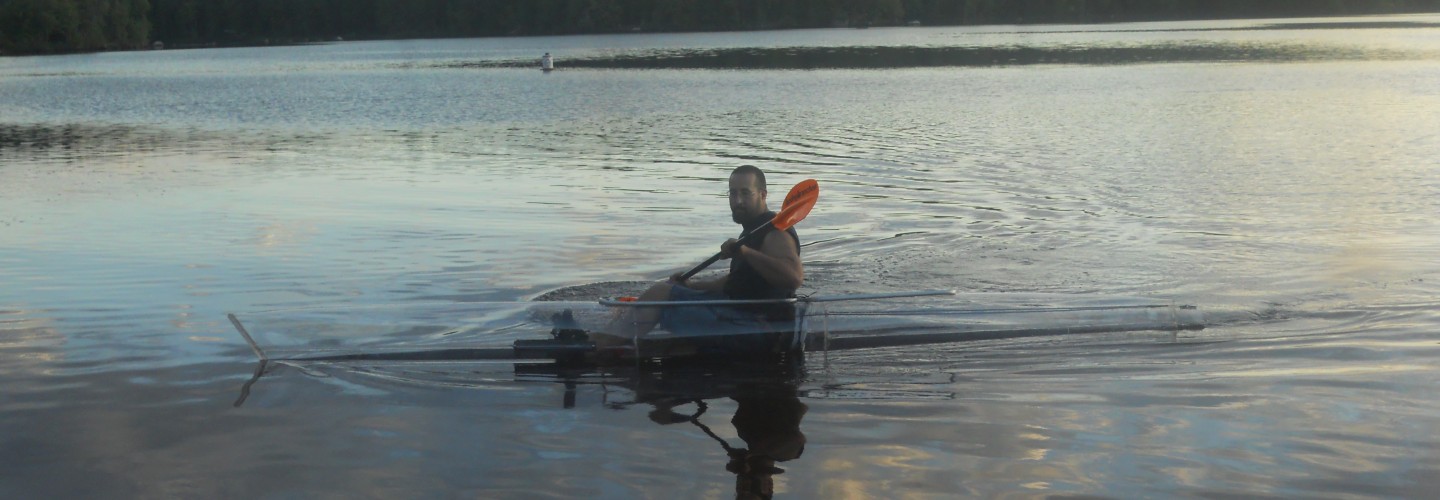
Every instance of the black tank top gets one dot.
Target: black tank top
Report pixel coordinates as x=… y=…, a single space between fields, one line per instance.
x=746 y=283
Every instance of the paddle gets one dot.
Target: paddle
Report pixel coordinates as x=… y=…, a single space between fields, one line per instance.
x=797 y=205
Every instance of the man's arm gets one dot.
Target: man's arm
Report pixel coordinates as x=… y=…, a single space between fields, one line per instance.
x=777 y=260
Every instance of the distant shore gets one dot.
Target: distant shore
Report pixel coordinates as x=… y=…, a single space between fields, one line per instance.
x=162 y=30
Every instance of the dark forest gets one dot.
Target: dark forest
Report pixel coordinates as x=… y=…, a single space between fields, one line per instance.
x=59 y=26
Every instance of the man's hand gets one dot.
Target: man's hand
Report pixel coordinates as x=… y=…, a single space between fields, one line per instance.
x=730 y=248
x=677 y=278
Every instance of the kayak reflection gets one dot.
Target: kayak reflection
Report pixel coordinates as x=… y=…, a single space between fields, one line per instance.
x=764 y=390
x=767 y=414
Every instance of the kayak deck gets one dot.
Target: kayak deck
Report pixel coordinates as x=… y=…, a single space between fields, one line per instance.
x=508 y=331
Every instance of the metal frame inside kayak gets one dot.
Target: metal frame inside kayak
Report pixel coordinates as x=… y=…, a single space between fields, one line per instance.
x=804 y=337
x=792 y=300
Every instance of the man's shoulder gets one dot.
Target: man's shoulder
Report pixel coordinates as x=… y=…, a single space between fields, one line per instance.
x=793 y=236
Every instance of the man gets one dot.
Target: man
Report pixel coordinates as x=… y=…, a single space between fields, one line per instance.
x=764 y=266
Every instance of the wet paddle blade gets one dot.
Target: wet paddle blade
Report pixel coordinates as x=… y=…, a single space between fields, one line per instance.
x=797 y=205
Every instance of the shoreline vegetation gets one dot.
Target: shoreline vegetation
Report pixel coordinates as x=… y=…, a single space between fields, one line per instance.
x=873 y=57
x=29 y=27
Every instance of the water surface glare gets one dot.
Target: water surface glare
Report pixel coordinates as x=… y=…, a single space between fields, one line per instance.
x=1280 y=174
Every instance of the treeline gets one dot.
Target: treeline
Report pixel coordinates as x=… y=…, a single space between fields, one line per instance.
x=43 y=26
x=31 y=26
x=190 y=21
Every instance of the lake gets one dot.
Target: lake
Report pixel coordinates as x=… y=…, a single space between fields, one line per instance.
x=1281 y=175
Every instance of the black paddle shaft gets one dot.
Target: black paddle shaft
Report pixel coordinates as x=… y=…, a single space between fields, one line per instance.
x=717 y=255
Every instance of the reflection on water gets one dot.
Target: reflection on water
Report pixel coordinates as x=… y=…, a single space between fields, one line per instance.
x=765 y=423
x=1345 y=25
x=923 y=57
x=992 y=47
x=766 y=418
x=1076 y=415
x=27 y=140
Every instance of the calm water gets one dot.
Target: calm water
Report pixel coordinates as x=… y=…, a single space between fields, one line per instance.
x=1282 y=178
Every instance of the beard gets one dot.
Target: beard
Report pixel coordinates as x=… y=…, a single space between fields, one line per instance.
x=739 y=215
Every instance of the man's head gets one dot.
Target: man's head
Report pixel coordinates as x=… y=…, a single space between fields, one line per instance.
x=747 y=193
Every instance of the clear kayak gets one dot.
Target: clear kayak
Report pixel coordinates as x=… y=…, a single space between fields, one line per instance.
x=596 y=331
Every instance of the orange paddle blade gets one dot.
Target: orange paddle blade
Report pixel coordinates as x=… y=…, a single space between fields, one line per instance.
x=797 y=205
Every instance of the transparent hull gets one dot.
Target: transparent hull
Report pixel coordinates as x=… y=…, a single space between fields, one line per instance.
x=540 y=330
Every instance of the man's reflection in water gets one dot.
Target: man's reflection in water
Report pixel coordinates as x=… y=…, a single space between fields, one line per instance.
x=771 y=429
x=767 y=416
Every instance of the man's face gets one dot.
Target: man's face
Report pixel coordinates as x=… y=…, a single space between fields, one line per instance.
x=746 y=199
